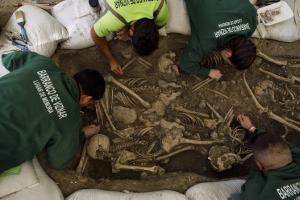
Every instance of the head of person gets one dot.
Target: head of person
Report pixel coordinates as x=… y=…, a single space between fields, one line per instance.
x=91 y=84
x=145 y=36
x=271 y=152
x=239 y=52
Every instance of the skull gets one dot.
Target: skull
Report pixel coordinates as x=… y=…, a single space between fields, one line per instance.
x=98 y=146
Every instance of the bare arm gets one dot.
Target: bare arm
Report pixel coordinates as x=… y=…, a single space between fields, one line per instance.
x=102 y=43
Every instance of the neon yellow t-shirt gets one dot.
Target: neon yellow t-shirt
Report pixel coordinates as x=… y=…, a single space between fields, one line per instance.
x=131 y=11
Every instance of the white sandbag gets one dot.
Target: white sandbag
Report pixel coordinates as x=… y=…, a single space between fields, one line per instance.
x=214 y=190
x=45 y=189
x=44 y=31
x=286 y=31
x=11 y=184
x=78 y=18
x=94 y=194
x=178 y=18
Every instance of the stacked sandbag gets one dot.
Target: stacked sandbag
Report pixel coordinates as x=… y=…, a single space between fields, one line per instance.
x=94 y=194
x=178 y=18
x=31 y=184
x=221 y=190
x=44 y=32
x=286 y=31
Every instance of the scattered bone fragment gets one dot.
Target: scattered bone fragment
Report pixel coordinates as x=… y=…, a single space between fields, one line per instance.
x=210 y=124
x=165 y=84
x=111 y=79
x=161 y=104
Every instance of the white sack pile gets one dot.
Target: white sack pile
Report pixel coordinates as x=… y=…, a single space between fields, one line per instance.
x=44 y=31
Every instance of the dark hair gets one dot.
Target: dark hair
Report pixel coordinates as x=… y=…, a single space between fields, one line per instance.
x=91 y=82
x=266 y=141
x=261 y=3
x=145 y=37
x=243 y=52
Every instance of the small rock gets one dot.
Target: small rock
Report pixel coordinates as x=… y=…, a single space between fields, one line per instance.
x=124 y=115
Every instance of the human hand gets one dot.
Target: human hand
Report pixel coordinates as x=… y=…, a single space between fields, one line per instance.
x=246 y=122
x=215 y=74
x=115 y=67
x=90 y=130
x=123 y=35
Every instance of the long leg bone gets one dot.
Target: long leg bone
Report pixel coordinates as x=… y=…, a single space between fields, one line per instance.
x=218 y=93
x=144 y=61
x=99 y=113
x=220 y=118
x=270 y=113
x=153 y=169
x=272 y=60
x=293 y=79
x=111 y=79
x=128 y=63
x=166 y=156
x=107 y=116
x=83 y=160
x=168 y=143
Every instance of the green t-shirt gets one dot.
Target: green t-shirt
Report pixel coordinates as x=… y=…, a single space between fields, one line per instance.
x=39 y=108
x=131 y=11
x=283 y=183
x=213 y=24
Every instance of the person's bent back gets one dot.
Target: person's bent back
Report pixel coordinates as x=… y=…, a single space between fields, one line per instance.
x=40 y=107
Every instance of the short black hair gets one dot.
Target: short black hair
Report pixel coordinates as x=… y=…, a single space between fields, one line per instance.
x=91 y=83
x=145 y=37
x=271 y=151
x=243 y=52
x=266 y=140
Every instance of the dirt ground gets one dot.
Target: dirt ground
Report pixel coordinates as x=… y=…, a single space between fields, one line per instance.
x=190 y=167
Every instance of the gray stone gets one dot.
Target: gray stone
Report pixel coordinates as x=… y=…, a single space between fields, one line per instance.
x=124 y=115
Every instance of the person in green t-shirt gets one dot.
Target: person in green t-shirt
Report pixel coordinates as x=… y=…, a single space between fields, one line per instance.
x=40 y=108
x=278 y=163
x=220 y=31
x=134 y=20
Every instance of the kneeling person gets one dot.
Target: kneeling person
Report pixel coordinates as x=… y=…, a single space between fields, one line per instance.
x=40 y=108
x=137 y=21
x=220 y=32
x=278 y=174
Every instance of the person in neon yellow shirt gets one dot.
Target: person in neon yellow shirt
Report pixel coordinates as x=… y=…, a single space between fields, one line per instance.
x=135 y=20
